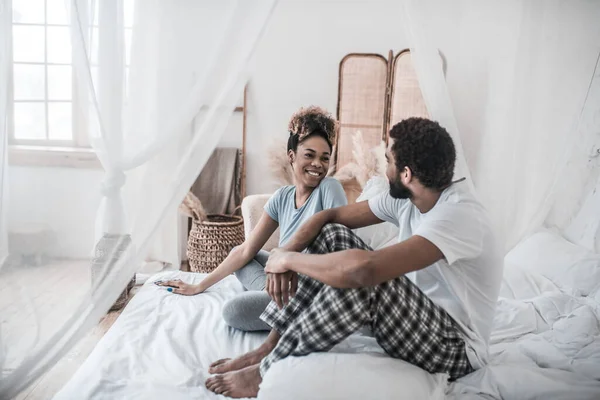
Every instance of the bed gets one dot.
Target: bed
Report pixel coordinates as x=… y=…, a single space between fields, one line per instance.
x=545 y=343
x=544 y=346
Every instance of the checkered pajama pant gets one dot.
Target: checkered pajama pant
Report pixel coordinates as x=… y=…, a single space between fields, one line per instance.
x=405 y=322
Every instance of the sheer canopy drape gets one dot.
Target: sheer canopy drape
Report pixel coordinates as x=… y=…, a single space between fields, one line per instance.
x=5 y=48
x=521 y=124
x=154 y=115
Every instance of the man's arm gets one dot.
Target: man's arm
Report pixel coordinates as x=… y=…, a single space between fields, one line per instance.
x=360 y=268
x=353 y=216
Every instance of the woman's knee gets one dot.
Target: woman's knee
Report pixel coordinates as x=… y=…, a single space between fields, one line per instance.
x=232 y=313
x=243 y=311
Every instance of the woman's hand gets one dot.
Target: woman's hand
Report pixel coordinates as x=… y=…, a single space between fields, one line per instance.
x=180 y=287
x=281 y=283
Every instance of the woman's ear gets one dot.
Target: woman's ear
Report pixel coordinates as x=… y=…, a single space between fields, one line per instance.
x=291 y=156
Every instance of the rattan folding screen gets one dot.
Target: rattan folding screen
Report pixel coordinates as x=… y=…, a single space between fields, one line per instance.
x=373 y=94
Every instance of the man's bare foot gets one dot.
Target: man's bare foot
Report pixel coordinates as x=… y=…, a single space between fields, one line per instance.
x=237 y=384
x=251 y=358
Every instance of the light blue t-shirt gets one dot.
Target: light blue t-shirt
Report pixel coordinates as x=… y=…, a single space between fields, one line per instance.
x=282 y=206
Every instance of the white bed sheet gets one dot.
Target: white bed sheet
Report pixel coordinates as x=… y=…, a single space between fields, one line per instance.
x=162 y=344
x=545 y=344
x=160 y=347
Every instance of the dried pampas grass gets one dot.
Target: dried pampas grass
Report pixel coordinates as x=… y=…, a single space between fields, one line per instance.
x=365 y=164
x=192 y=207
x=279 y=163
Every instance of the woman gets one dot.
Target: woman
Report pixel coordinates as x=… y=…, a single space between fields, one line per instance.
x=310 y=144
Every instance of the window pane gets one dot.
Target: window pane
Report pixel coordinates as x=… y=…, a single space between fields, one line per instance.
x=29 y=82
x=56 y=12
x=30 y=121
x=59 y=45
x=60 y=121
x=59 y=82
x=28 y=43
x=28 y=11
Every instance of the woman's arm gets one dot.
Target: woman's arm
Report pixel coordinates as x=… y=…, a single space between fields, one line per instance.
x=237 y=258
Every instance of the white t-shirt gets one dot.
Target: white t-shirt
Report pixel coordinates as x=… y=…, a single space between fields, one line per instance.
x=467 y=280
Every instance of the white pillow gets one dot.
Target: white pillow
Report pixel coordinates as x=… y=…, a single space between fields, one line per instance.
x=567 y=265
x=343 y=376
x=380 y=235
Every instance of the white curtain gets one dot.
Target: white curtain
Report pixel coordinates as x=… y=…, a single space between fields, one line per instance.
x=5 y=49
x=532 y=66
x=156 y=120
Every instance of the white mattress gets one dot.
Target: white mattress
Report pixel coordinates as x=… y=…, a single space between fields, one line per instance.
x=546 y=344
x=161 y=346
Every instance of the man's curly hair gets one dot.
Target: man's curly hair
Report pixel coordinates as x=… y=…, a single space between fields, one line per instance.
x=427 y=149
x=311 y=121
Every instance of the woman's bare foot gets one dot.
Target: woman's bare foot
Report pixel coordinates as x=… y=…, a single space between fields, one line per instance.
x=237 y=384
x=251 y=358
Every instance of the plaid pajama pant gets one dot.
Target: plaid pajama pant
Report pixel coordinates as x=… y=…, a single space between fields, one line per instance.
x=405 y=322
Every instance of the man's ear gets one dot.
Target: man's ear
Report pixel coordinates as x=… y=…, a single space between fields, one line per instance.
x=406 y=174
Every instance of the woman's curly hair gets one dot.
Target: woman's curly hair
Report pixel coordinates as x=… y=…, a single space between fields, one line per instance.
x=311 y=121
x=427 y=149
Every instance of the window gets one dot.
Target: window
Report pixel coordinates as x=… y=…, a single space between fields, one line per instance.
x=45 y=111
x=42 y=74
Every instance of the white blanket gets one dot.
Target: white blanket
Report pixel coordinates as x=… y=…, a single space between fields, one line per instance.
x=545 y=345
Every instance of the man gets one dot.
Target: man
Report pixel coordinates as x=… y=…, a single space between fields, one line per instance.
x=429 y=299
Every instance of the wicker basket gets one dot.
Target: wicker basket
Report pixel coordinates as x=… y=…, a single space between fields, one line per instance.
x=212 y=236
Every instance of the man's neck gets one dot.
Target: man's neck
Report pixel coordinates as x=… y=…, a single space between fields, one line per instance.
x=425 y=199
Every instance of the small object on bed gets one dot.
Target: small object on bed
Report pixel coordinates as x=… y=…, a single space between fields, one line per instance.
x=212 y=235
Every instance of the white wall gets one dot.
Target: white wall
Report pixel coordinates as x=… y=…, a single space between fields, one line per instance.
x=297 y=65
x=56 y=207
x=59 y=202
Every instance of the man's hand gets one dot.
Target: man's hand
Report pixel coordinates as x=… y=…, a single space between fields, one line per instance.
x=281 y=283
x=276 y=264
x=180 y=287
x=281 y=287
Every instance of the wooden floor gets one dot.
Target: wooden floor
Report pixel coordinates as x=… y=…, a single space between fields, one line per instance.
x=52 y=288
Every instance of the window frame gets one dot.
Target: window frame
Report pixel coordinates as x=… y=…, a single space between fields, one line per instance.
x=74 y=152
x=79 y=136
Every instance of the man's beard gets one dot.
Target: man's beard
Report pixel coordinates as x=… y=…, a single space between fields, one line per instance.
x=399 y=191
